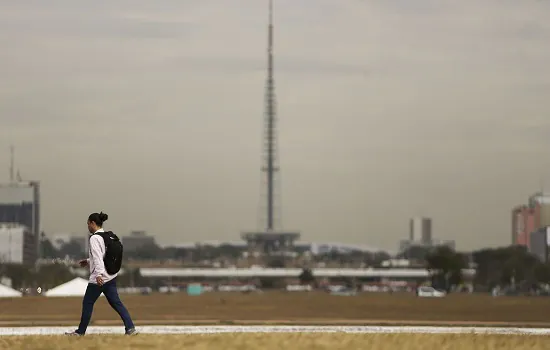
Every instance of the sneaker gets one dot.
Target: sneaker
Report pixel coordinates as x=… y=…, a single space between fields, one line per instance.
x=73 y=333
x=131 y=331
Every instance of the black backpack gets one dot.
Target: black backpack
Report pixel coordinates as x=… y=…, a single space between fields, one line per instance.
x=113 y=252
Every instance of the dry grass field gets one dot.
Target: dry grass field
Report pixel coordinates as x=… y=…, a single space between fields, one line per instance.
x=284 y=308
x=281 y=341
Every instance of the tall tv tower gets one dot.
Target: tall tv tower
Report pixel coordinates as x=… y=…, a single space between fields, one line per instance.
x=270 y=143
x=270 y=239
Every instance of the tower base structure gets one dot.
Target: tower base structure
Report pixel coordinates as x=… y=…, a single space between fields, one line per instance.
x=270 y=243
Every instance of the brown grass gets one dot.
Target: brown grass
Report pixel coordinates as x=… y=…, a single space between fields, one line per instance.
x=280 y=307
x=280 y=341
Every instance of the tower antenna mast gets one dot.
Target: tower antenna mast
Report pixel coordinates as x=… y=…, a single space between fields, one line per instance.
x=270 y=167
x=12 y=161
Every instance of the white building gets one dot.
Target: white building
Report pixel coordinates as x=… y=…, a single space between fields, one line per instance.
x=420 y=230
x=17 y=244
x=539 y=243
x=20 y=203
x=541 y=199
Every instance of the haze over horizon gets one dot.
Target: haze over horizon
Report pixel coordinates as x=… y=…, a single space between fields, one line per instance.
x=153 y=113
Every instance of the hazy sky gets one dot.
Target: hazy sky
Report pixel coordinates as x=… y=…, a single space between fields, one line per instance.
x=152 y=111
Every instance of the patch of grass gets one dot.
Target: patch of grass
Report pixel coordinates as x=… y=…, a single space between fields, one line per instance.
x=280 y=341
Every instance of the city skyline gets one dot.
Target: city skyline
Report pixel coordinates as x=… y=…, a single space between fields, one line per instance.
x=388 y=110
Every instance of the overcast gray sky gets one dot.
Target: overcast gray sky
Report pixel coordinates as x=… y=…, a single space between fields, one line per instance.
x=152 y=111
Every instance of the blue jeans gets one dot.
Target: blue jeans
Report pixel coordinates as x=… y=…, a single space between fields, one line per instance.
x=93 y=291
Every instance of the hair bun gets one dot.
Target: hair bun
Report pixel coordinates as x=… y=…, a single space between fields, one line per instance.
x=103 y=217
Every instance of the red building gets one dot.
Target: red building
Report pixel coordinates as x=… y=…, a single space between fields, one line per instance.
x=525 y=219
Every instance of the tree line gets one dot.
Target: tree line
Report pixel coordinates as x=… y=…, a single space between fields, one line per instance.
x=504 y=266
x=512 y=267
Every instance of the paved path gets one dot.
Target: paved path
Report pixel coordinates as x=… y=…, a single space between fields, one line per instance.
x=289 y=322
x=276 y=329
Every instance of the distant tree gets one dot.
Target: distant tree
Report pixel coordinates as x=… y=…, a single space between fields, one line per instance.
x=446 y=267
x=229 y=251
x=147 y=252
x=276 y=263
x=505 y=266
x=71 y=249
x=206 y=252
x=167 y=253
x=518 y=268
x=349 y=282
x=542 y=273
x=48 y=250
x=379 y=257
x=131 y=278
x=49 y=276
x=181 y=253
x=334 y=255
x=415 y=252
x=20 y=275
x=306 y=277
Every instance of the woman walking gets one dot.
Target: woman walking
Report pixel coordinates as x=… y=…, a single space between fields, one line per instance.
x=100 y=280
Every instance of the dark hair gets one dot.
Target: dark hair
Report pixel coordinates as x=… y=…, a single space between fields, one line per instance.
x=98 y=218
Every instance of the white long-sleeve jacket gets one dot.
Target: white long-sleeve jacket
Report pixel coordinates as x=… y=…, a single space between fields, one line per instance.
x=95 y=260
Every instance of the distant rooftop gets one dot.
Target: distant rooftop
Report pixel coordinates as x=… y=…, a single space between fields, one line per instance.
x=17 y=184
x=16 y=193
x=315 y=247
x=188 y=245
x=12 y=225
x=270 y=235
x=540 y=198
x=138 y=233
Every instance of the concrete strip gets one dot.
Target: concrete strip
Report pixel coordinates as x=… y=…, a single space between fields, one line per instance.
x=289 y=322
x=6 y=331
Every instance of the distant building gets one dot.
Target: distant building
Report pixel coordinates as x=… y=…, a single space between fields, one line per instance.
x=396 y=263
x=17 y=244
x=529 y=218
x=193 y=245
x=136 y=240
x=20 y=203
x=542 y=201
x=420 y=235
x=420 y=230
x=524 y=221
x=441 y=242
x=317 y=248
x=406 y=244
x=539 y=241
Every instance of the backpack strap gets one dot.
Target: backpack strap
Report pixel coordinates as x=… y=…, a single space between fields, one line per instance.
x=106 y=234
